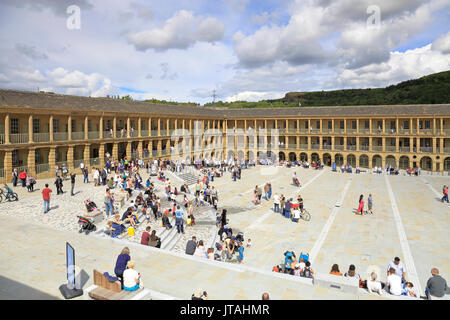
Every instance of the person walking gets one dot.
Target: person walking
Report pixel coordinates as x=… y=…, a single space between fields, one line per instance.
x=276 y=203
x=23 y=178
x=361 y=205
x=179 y=219
x=59 y=185
x=15 y=176
x=369 y=204
x=108 y=204
x=445 y=193
x=72 y=182
x=46 y=197
x=85 y=175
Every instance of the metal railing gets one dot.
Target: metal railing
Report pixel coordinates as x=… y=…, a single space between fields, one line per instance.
x=155 y=153
x=315 y=146
x=338 y=147
x=377 y=148
x=391 y=148
x=43 y=167
x=390 y=131
x=20 y=168
x=446 y=150
x=41 y=137
x=144 y=133
x=291 y=130
x=338 y=130
x=76 y=163
x=18 y=138
x=327 y=130
x=154 y=133
x=2 y=172
x=133 y=133
x=60 y=136
x=78 y=135
x=2 y=138
x=94 y=161
x=92 y=135
x=426 y=149
x=364 y=131
x=107 y=134
x=326 y=147
x=404 y=149
x=351 y=130
x=364 y=148
x=351 y=147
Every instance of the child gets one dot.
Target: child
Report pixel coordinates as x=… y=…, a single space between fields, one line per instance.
x=241 y=252
x=146 y=213
x=408 y=290
x=191 y=220
x=249 y=243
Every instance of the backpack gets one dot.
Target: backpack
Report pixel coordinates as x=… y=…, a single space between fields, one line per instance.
x=307 y=273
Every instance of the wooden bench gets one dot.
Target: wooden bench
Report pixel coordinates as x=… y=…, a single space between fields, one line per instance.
x=105 y=290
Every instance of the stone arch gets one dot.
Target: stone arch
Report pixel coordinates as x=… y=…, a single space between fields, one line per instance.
x=339 y=159
x=327 y=159
x=230 y=154
x=403 y=163
x=351 y=160
x=390 y=160
x=364 y=161
x=315 y=157
x=240 y=155
x=377 y=161
x=447 y=164
x=426 y=163
x=292 y=156
x=303 y=156
x=282 y=156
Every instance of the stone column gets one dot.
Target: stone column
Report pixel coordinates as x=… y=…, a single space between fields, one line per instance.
x=128 y=130
x=332 y=142
x=50 y=125
x=87 y=155
x=397 y=142
x=159 y=127
x=345 y=130
x=30 y=129
x=52 y=159
x=8 y=165
x=309 y=141
x=139 y=127
x=31 y=161
x=396 y=126
x=411 y=145
x=370 y=126
x=370 y=142
x=345 y=138
x=115 y=151
x=86 y=128
x=434 y=146
x=69 y=129
x=128 y=150
x=442 y=128
x=159 y=147
x=70 y=164
x=100 y=128
x=150 y=127
x=168 y=127
x=7 y=133
x=417 y=124
x=357 y=147
x=115 y=128
x=384 y=128
x=410 y=126
x=441 y=145
x=101 y=155
x=383 y=142
x=320 y=140
x=140 y=147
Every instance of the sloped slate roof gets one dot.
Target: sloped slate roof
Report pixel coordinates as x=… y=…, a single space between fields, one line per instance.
x=28 y=99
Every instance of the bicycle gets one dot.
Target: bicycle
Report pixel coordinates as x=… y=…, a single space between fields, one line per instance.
x=305 y=215
x=8 y=196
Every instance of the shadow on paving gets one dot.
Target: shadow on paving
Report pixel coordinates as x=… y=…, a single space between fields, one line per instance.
x=13 y=290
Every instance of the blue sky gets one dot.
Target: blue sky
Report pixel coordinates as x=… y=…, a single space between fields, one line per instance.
x=243 y=49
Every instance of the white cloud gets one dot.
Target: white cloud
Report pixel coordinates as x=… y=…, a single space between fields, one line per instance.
x=254 y=96
x=34 y=76
x=179 y=32
x=401 y=66
x=79 y=83
x=442 y=43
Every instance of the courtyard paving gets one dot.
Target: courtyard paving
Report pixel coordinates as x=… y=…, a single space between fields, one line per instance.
x=409 y=222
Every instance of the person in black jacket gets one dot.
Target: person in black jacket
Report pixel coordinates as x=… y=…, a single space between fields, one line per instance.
x=59 y=185
x=72 y=182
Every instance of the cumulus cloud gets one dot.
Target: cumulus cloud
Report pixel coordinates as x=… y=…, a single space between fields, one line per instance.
x=238 y=5
x=401 y=66
x=442 y=43
x=79 y=83
x=179 y=32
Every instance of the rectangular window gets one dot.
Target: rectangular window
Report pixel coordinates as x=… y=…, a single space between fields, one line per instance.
x=406 y=124
x=108 y=124
x=55 y=125
x=14 y=125
x=354 y=124
x=427 y=124
x=393 y=125
x=120 y=124
x=36 y=126
x=142 y=125
x=132 y=123
x=72 y=125
x=306 y=124
x=367 y=124
x=89 y=125
x=341 y=124
x=318 y=124
x=36 y=156
x=15 y=157
x=380 y=124
x=330 y=124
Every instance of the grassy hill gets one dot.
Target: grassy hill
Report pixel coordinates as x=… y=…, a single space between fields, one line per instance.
x=431 y=89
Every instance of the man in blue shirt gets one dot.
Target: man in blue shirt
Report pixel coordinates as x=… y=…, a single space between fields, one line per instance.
x=179 y=219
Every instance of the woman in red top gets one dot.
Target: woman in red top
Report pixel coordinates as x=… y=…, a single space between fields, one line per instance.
x=361 y=205
x=23 y=177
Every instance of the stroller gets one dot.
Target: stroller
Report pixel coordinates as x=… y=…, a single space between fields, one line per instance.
x=86 y=225
x=90 y=205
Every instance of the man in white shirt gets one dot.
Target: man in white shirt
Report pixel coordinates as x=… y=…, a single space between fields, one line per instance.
x=296 y=216
x=398 y=267
x=131 y=278
x=394 y=283
x=276 y=203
